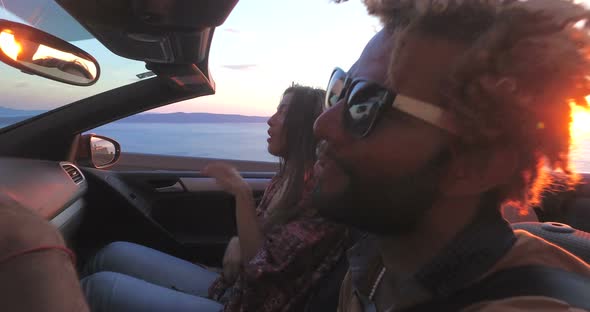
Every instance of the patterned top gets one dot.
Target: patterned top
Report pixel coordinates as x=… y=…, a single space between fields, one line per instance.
x=293 y=258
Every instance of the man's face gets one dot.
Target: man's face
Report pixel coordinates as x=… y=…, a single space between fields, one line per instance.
x=385 y=182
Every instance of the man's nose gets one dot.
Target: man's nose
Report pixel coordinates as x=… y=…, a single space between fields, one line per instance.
x=329 y=125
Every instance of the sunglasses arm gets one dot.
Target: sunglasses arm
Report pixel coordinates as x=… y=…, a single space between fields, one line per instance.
x=427 y=112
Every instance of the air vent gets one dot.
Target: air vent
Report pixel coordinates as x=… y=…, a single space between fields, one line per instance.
x=74 y=173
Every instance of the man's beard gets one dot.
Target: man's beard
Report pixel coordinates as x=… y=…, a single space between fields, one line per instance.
x=384 y=207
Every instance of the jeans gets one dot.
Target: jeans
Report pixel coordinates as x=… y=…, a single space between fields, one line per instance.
x=129 y=277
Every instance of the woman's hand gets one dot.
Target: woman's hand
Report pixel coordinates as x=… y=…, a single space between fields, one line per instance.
x=250 y=234
x=232 y=261
x=228 y=178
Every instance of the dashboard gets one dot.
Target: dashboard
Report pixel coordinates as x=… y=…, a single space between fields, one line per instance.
x=55 y=190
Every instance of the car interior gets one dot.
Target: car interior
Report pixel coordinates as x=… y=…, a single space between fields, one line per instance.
x=50 y=165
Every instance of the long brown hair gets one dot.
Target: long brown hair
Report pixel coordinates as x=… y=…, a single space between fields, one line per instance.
x=300 y=149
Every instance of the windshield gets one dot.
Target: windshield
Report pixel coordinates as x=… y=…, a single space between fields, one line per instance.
x=263 y=47
x=25 y=96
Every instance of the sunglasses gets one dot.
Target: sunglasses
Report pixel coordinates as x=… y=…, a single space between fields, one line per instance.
x=366 y=101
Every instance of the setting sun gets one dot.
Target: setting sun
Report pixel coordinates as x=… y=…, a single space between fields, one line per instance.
x=580 y=135
x=580 y=125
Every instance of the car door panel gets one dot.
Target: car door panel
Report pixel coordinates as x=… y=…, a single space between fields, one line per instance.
x=142 y=162
x=184 y=205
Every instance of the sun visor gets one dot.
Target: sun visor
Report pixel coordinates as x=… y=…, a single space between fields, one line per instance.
x=157 y=31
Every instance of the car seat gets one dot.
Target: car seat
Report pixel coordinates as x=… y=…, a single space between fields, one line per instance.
x=575 y=241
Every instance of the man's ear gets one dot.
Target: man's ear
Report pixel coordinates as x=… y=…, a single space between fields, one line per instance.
x=476 y=171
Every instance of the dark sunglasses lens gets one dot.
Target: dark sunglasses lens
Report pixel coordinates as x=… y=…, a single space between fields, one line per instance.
x=364 y=103
x=335 y=88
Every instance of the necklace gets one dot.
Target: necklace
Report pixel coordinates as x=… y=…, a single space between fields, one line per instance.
x=376 y=284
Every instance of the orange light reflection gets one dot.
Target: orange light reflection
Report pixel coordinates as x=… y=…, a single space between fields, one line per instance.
x=45 y=51
x=8 y=45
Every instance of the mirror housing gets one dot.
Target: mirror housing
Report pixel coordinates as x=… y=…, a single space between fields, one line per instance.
x=36 y=52
x=97 y=151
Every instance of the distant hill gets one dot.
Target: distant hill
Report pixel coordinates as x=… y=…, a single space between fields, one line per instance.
x=12 y=120
x=9 y=115
x=192 y=118
x=10 y=112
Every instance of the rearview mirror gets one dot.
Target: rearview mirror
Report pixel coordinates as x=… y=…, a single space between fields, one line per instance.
x=37 y=52
x=97 y=151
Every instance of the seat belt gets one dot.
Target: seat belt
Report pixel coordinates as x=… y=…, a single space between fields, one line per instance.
x=542 y=281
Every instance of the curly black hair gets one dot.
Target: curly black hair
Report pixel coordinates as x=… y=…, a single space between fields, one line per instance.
x=527 y=62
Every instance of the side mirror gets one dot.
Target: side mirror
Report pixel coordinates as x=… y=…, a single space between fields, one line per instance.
x=97 y=151
x=36 y=52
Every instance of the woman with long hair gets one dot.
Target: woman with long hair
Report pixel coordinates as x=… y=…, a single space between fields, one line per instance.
x=291 y=139
x=281 y=252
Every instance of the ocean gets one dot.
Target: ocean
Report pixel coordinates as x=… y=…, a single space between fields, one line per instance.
x=243 y=141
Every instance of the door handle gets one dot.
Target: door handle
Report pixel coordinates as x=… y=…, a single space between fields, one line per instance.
x=175 y=188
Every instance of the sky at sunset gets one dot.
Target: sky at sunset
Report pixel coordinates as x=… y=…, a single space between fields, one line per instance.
x=266 y=44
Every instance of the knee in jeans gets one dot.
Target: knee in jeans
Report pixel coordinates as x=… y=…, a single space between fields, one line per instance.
x=116 y=248
x=111 y=251
x=101 y=282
